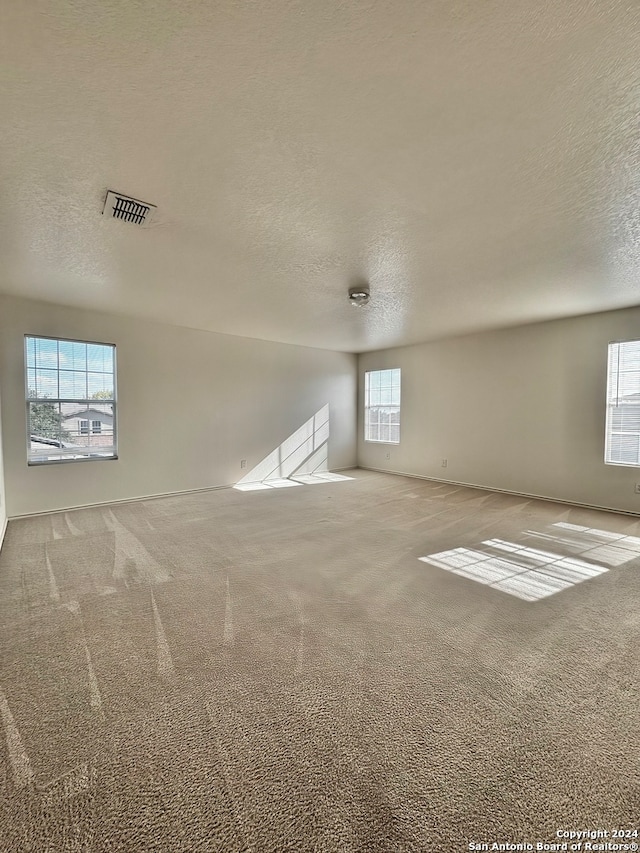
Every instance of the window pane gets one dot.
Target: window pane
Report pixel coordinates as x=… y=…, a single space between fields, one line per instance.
x=73 y=385
x=46 y=383
x=375 y=397
x=628 y=384
x=31 y=352
x=625 y=449
x=100 y=358
x=626 y=417
x=102 y=432
x=100 y=385
x=73 y=355
x=31 y=382
x=629 y=353
x=46 y=354
x=44 y=421
x=75 y=422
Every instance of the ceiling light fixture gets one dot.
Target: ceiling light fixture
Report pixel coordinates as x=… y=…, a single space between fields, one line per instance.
x=359 y=295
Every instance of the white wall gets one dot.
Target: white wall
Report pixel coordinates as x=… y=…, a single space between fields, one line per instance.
x=3 y=502
x=191 y=405
x=520 y=409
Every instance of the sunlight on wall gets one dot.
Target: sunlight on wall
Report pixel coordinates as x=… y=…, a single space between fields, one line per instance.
x=301 y=459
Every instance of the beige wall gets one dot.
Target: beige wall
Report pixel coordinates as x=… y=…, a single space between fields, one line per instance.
x=520 y=409
x=3 y=503
x=191 y=405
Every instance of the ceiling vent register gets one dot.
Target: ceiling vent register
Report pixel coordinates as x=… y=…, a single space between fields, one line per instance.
x=127 y=209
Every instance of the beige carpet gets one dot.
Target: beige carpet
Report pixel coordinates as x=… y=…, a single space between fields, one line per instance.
x=279 y=671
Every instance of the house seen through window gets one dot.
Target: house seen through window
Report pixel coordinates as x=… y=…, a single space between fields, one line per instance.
x=382 y=406
x=71 y=400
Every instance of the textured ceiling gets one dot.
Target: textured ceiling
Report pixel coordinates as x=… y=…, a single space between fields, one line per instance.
x=478 y=163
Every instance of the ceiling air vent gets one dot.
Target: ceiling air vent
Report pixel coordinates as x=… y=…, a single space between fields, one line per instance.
x=118 y=206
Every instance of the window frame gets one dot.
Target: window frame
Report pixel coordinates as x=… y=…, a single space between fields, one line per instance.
x=35 y=463
x=608 y=431
x=367 y=407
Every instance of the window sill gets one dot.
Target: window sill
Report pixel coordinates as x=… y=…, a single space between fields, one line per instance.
x=37 y=464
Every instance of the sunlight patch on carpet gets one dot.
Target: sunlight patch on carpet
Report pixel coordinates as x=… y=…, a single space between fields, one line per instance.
x=528 y=573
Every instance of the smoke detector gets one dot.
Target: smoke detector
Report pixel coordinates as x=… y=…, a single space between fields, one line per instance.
x=127 y=209
x=359 y=295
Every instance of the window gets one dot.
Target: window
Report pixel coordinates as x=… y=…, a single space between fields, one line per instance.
x=71 y=400
x=622 y=440
x=96 y=427
x=382 y=406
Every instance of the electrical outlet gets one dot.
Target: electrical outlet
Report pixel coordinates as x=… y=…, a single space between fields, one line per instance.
x=388 y=456
x=637 y=488
x=444 y=463
x=243 y=463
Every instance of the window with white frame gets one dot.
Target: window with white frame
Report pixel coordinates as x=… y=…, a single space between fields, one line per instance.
x=382 y=406
x=71 y=400
x=622 y=435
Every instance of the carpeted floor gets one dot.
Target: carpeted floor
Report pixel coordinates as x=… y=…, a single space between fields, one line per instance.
x=280 y=671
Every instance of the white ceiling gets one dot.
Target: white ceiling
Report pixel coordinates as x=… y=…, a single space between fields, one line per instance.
x=477 y=162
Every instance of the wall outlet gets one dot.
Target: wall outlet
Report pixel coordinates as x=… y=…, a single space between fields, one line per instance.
x=388 y=456
x=444 y=463
x=637 y=489
x=243 y=463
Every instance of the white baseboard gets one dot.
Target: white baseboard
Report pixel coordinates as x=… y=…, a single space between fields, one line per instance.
x=503 y=491
x=119 y=501
x=139 y=498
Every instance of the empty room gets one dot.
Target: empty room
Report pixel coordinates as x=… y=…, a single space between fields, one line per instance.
x=319 y=426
